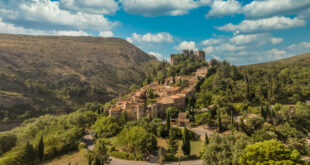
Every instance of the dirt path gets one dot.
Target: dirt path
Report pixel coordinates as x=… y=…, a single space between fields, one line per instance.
x=89 y=140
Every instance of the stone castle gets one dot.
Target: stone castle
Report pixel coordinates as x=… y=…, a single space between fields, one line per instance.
x=199 y=54
x=135 y=103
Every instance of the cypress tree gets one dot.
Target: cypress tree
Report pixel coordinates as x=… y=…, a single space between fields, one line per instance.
x=167 y=123
x=219 y=122
x=41 y=149
x=173 y=144
x=206 y=139
x=232 y=120
x=29 y=155
x=186 y=147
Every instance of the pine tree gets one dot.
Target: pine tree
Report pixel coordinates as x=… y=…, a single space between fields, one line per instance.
x=41 y=149
x=168 y=123
x=186 y=147
x=219 y=122
x=206 y=139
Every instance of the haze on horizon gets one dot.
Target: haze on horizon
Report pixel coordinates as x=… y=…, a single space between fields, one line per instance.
x=241 y=32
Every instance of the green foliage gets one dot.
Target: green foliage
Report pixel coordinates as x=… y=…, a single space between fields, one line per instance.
x=269 y=152
x=61 y=134
x=204 y=118
x=126 y=155
x=136 y=140
x=167 y=123
x=172 y=141
x=186 y=146
x=106 y=127
x=41 y=149
x=206 y=139
x=225 y=149
x=172 y=112
x=100 y=154
x=278 y=83
x=7 y=141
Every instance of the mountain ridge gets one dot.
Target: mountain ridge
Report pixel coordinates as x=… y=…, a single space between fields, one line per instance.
x=51 y=70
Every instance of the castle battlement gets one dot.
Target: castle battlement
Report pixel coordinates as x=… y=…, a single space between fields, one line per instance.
x=199 y=54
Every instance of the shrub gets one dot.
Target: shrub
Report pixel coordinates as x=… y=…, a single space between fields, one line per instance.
x=126 y=155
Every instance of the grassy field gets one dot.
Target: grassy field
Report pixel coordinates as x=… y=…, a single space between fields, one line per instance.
x=196 y=146
x=74 y=158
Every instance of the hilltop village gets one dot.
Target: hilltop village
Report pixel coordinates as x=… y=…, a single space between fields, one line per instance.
x=153 y=100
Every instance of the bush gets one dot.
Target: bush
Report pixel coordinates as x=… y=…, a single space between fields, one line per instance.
x=7 y=141
x=106 y=127
x=82 y=145
x=126 y=155
x=136 y=140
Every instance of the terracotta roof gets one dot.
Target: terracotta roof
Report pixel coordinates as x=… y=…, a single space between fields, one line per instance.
x=116 y=109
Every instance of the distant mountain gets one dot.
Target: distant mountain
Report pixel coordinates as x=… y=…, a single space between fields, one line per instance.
x=303 y=58
x=49 y=74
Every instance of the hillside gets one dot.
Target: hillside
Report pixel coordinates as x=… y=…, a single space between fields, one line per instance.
x=49 y=74
x=302 y=58
x=285 y=81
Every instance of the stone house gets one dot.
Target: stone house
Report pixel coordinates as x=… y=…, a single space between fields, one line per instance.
x=183 y=120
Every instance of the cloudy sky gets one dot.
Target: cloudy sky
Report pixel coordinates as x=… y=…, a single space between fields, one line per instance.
x=241 y=32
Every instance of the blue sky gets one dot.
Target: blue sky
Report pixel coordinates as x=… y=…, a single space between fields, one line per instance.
x=241 y=32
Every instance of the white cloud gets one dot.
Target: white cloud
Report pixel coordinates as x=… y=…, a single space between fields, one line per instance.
x=10 y=28
x=275 y=54
x=300 y=46
x=208 y=49
x=212 y=41
x=106 y=34
x=263 y=25
x=276 y=40
x=157 y=55
x=254 y=39
x=46 y=14
x=71 y=33
x=220 y=8
x=90 y=6
x=267 y=8
x=151 y=38
x=159 y=7
x=229 y=47
x=186 y=45
x=247 y=39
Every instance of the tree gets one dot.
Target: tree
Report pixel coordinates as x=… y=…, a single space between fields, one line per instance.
x=41 y=149
x=106 y=127
x=123 y=118
x=29 y=155
x=269 y=152
x=206 y=139
x=219 y=122
x=136 y=140
x=7 y=141
x=168 y=123
x=173 y=144
x=100 y=154
x=186 y=146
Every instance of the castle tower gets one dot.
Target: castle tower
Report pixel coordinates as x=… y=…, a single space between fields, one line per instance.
x=201 y=55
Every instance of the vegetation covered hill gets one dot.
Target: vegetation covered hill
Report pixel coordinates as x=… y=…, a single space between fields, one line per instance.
x=48 y=74
x=285 y=81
